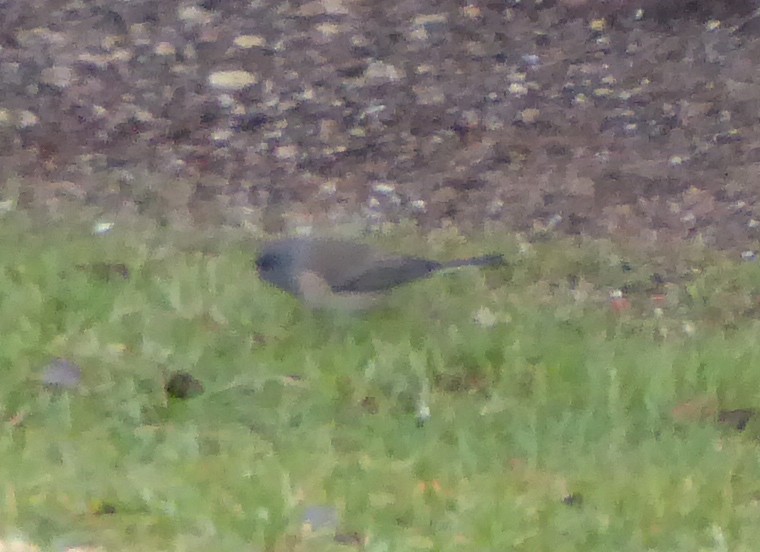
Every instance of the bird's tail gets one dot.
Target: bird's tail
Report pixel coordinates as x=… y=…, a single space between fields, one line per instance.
x=486 y=260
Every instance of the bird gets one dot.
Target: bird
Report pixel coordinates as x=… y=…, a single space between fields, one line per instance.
x=342 y=274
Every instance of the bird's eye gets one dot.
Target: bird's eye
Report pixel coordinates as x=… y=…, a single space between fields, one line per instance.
x=266 y=261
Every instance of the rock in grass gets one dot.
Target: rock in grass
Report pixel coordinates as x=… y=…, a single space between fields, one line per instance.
x=182 y=385
x=61 y=374
x=319 y=519
x=736 y=419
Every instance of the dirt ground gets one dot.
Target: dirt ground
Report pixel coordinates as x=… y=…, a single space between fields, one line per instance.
x=575 y=116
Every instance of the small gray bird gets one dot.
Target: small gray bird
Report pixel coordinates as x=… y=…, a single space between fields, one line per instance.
x=346 y=275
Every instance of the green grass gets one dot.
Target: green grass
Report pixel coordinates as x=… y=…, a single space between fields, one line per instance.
x=551 y=422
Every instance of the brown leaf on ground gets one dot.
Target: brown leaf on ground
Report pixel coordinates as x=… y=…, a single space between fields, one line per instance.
x=696 y=410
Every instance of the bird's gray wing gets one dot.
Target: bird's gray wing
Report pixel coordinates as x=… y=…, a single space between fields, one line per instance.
x=385 y=274
x=494 y=259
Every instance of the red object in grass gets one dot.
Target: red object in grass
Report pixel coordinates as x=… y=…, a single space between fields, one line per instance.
x=619 y=304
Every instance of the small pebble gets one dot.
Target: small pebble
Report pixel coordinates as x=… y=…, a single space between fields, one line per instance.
x=423 y=414
x=102 y=227
x=319 y=518
x=62 y=374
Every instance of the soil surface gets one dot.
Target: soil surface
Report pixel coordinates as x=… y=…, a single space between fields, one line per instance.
x=573 y=116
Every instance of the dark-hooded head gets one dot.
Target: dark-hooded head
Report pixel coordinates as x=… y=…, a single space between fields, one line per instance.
x=276 y=264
